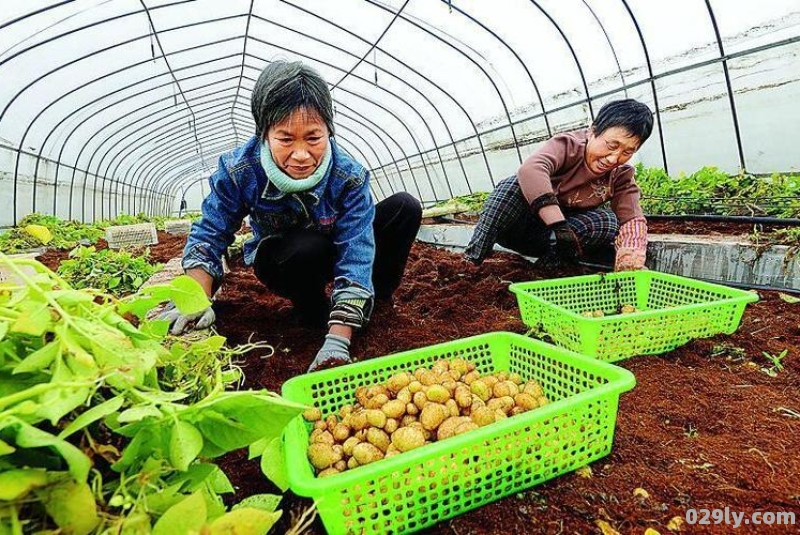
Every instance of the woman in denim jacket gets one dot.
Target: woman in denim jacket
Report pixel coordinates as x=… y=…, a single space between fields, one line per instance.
x=311 y=212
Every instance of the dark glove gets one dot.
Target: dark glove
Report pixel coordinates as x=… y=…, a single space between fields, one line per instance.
x=334 y=352
x=564 y=248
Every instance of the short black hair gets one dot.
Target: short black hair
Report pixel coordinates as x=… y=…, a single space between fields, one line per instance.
x=284 y=87
x=630 y=114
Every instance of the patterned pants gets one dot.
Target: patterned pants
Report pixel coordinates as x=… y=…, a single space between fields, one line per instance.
x=507 y=219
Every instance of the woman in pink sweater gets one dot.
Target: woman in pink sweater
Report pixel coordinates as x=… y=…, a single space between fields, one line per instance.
x=555 y=207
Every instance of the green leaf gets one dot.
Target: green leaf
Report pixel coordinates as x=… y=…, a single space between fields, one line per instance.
x=39 y=232
x=113 y=282
x=244 y=521
x=31 y=437
x=39 y=359
x=58 y=402
x=184 y=445
x=71 y=505
x=188 y=515
x=789 y=298
x=34 y=319
x=17 y=483
x=273 y=464
x=3 y=330
x=92 y=415
x=6 y=449
x=264 y=502
x=184 y=291
x=135 y=414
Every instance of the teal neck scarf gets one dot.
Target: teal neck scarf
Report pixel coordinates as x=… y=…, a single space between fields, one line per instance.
x=284 y=182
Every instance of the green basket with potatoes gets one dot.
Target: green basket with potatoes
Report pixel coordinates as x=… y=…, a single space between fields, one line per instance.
x=421 y=487
x=669 y=311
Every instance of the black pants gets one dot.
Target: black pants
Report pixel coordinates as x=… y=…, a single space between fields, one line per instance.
x=299 y=264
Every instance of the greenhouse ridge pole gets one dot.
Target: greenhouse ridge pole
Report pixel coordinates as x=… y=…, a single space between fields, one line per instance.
x=731 y=98
x=241 y=69
x=652 y=83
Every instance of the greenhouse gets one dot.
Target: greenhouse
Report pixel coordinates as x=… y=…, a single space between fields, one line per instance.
x=399 y=266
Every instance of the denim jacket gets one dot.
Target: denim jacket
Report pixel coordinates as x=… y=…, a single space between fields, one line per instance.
x=340 y=206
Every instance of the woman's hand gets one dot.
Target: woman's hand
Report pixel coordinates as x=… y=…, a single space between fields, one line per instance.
x=334 y=352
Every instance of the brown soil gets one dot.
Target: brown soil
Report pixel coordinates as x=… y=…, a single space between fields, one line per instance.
x=705 y=427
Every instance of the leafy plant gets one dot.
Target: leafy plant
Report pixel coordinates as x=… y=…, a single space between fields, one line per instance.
x=106 y=427
x=118 y=272
x=776 y=361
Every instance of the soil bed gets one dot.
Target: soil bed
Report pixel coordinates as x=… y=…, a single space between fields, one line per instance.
x=705 y=427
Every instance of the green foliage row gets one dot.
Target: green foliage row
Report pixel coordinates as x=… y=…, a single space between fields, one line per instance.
x=69 y=234
x=711 y=191
x=106 y=427
x=706 y=191
x=117 y=272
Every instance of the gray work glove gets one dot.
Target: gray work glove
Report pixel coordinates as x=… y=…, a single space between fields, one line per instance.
x=183 y=322
x=334 y=352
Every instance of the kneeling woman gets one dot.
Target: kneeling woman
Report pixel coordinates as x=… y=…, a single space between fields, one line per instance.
x=311 y=212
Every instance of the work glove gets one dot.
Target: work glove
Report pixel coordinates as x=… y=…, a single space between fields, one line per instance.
x=564 y=247
x=334 y=352
x=629 y=259
x=183 y=322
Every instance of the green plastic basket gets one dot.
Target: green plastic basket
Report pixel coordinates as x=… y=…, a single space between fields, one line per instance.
x=674 y=310
x=421 y=487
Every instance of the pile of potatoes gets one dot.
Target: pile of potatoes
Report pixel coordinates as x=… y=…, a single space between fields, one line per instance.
x=624 y=309
x=410 y=410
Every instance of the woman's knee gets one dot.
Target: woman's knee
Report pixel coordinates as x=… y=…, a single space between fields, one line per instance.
x=400 y=208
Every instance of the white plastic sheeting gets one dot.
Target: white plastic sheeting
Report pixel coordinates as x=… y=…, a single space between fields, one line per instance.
x=122 y=106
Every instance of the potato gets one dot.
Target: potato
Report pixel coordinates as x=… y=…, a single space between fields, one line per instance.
x=366 y=453
x=448 y=428
x=361 y=395
x=450 y=385
x=345 y=411
x=377 y=401
x=490 y=380
x=533 y=388
x=408 y=438
x=455 y=375
x=428 y=378
x=481 y=389
x=328 y=472
x=331 y=422
x=466 y=427
x=391 y=425
x=376 y=418
x=378 y=438
x=358 y=420
x=341 y=432
x=459 y=365
x=398 y=381
x=412 y=410
x=352 y=463
x=463 y=396
x=312 y=415
x=501 y=376
x=320 y=455
x=318 y=435
x=453 y=407
x=408 y=419
x=542 y=401
x=432 y=415
x=470 y=377
x=628 y=309
x=420 y=400
x=349 y=444
x=394 y=408
x=414 y=387
x=598 y=314
x=525 y=401
x=437 y=394
x=340 y=465
x=499 y=414
x=361 y=435
x=515 y=378
x=505 y=388
x=391 y=451
x=440 y=366
x=483 y=416
x=338 y=453
x=405 y=395
x=515 y=410
x=377 y=390
x=502 y=403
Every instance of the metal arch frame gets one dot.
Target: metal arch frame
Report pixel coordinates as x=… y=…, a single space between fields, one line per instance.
x=608 y=40
x=478 y=65
x=241 y=68
x=731 y=98
x=434 y=84
x=516 y=56
x=723 y=58
x=652 y=80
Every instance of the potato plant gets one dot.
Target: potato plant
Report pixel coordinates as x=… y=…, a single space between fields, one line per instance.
x=410 y=410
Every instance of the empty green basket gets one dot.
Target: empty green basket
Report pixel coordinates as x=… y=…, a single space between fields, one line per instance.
x=427 y=485
x=673 y=311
